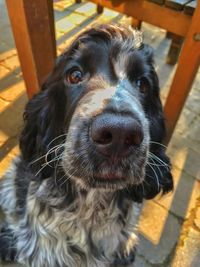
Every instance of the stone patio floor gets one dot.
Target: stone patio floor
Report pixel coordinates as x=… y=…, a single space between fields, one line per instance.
x=169 y=226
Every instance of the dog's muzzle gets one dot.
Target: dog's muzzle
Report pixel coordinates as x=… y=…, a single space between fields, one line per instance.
x=108 y=139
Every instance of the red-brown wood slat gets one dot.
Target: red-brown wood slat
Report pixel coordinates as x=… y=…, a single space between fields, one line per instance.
x=33 y=28
x=188 y=65
x=168 y=19
x=159 y=2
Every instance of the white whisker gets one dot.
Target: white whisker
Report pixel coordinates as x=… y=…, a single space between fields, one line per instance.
x=158 y=185
x=56 y=139
x=152 y=155
x=157 y=143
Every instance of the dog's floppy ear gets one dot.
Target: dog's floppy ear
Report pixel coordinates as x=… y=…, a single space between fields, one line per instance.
x=158 y=169
x=43 y=121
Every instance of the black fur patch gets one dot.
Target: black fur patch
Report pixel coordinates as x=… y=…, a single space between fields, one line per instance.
x=7 y=244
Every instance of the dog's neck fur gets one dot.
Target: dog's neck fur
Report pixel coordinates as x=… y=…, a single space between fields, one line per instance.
x=87 y=230
x=52 y=228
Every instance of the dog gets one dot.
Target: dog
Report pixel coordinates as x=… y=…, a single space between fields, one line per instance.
x=91 y=152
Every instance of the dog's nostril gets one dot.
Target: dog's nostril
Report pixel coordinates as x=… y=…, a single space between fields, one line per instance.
x=104 y=138
x=129 y=140
x=135 y=138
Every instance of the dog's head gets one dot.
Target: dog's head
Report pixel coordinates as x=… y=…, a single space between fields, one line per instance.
x=98 y=119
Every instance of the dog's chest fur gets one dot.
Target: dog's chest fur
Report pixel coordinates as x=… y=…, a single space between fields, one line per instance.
x=90 y=232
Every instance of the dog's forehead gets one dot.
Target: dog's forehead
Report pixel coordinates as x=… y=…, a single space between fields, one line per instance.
x=117 y=54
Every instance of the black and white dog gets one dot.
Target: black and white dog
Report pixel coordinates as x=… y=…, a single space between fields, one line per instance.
x=91 y=151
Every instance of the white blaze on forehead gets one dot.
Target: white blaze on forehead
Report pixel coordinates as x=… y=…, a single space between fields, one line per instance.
x=96 y=100
x=132 y=43
x=120 y=66
x=99 y=99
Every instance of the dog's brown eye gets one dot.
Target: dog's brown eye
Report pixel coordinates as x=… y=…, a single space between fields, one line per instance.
x=74 y=77
x=142 y=84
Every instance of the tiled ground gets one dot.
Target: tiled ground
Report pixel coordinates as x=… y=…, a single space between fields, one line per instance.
x=170 y=226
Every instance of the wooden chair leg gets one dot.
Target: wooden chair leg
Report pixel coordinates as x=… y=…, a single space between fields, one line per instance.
x=99 y=9
x=174 y=49
x=136 y=23
x=168 y=35
x=188 y=64
x=33 y=28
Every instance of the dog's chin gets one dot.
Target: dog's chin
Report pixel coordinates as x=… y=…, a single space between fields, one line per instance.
x=108 y=183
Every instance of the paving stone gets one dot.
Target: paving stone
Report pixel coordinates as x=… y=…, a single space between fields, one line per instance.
x=193 y=133
x=62 y=5
x=59 y=33
x=184 y=197
x=193 y=100
x=7 y=54
x=107 y=16
x=64 y=25
x=3 y=72
x=159 y=233
x=88 y=9
x=75 y=19
x=7 y=38
x=7 y=41
x=196 y=85
x=13 y=92
x=183 y=157
x=188 y=254
x=186 y=119
x=8 y=157
x=3 y=137
x=3 y=105
x=197 y=218
x=188 y=135
x=140 y=262
x=165 y=75
x=8 y=80
x=14 y=110
x=12 y=63
x=61 y=14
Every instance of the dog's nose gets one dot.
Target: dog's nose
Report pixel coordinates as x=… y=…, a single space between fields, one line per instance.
x=115 y=135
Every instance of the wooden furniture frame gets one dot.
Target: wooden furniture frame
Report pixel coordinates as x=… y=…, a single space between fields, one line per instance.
x=33 y=28
x=34 y=33
x=186 y=6
x=187 y=68
x=152 y=13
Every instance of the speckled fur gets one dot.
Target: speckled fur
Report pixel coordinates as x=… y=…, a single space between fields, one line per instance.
x=87 y=233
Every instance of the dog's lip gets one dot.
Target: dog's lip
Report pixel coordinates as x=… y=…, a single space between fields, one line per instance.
x=110 y=177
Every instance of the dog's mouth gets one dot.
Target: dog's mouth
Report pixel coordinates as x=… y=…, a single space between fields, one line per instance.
x=106 y=173
x=110 y=177
x=109 y=181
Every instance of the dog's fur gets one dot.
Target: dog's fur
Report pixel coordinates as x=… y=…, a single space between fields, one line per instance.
x=58 y=213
